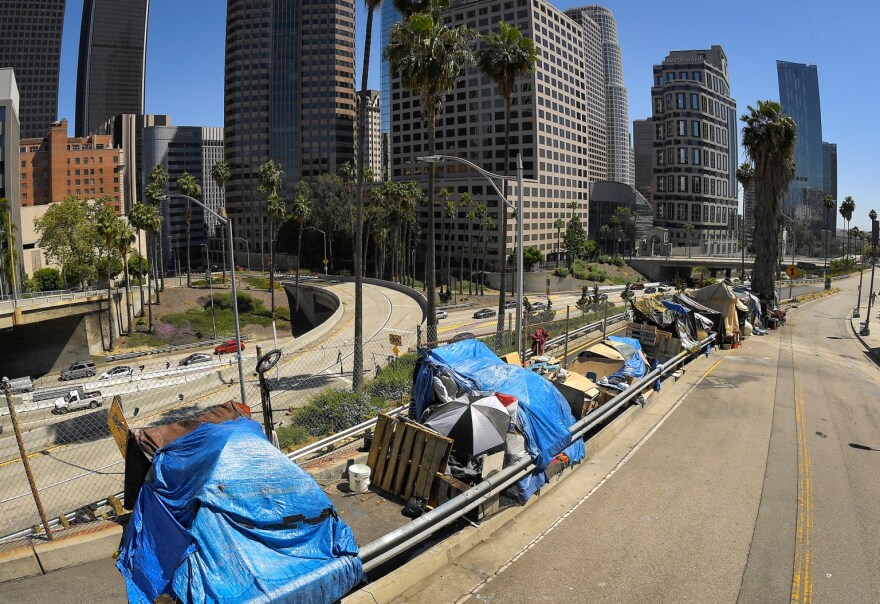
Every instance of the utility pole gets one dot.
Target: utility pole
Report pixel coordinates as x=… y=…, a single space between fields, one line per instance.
x=874 y=236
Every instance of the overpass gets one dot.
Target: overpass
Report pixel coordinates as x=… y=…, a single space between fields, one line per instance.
x=663 y=268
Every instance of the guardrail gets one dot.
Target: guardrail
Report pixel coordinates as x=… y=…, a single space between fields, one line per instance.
x=399 y=540
x=200 y=344
x=574 y=334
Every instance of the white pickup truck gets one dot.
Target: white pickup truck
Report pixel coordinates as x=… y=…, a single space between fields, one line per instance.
x=76 y=399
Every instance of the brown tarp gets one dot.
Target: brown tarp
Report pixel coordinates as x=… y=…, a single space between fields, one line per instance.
x=152 y=438
x=720 y=296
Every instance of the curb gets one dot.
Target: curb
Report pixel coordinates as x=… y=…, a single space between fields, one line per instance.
x=874 y=355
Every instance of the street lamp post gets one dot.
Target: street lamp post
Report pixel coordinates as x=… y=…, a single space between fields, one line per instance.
x=326 y=261
x=247 y=248
x=518 y=208
x=874 y=235
x=209 y=277
x=228 y=222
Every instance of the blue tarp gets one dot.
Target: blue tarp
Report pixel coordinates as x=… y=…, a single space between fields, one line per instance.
x=225 y=517
x=634 y=365
x=544 y=415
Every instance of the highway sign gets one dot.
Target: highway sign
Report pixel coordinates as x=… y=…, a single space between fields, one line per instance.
x=326 y=262
x=117 y=424
x=395 y=350
x=395 y=339
x=792 y=271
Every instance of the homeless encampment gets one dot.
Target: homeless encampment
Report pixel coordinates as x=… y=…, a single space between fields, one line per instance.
x=711 y=314
x=542 y=414
x=615 y=361
x=720 y=297
x=669 y=316
x=223 y=516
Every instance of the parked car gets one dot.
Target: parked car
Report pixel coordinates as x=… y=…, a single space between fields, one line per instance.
x=117 y=372
x=485 y=313
x=508 y=304
x=228 y=346
x=80 y=369
x=651 y=289
x=77 y=399
x=22 y=384
x=664 y=288
x=538 y=306
x=638 y=285
x=196 y=357
x=442 y=314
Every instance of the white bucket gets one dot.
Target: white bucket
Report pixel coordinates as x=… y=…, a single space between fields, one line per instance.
x=358 y=478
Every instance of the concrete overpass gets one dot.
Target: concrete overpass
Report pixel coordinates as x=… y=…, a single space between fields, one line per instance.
x=661 y=268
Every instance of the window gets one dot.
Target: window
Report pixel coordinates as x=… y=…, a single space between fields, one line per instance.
x=658 y=105
x=696 y=157
x=695 y=209
x=661 y=211
x=705 y=213
x=682 y=212
x=697 y=76
x=660 y=132
x=661 y=184
x=682 y=75
x=695 y=101
x=682 y=184
x=695 y=187
x=670 y=156
x=659 y=80
x=680 y=101
x=682 y=155
x=670 y=183
x=681 y=127
x=695 y=129
x=660 y=157
x=712 y=214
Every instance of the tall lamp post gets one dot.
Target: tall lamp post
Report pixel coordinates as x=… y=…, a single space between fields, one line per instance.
x=247 y=248
x=209 y=277
x=875 y=231
x=518 y=208
x=228 y=222
x=325 y=260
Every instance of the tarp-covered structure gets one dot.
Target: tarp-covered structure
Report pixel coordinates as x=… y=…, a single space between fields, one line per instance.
x=677 y=319
x=223 y=516
x=720 y=297
x=543 y=415
x=713 y=315
x=634 y=359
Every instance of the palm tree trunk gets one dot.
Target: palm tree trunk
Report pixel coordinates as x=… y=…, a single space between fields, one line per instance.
x=431 y=256
x=149 y=286
x=128 y=314
x=159 y=266
x=449 y=255
x=272 y=267
x=109 y=308
x=140 y=275
x=502 y=239
x=483 y=262
x=223 y=251
x=470 y=261
x=188 y=242
x=296 y=277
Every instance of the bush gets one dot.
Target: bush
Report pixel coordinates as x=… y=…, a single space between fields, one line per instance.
x=47 y=279
x=292 y=436
x=603 y=259
x=246 y=303
x=597 y=274
x=394 y=380
x=619 y=261
x=331 y=411
x=561 y=271
x=579 y=269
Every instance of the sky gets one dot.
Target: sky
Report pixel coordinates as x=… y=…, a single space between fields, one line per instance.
x=186 y=44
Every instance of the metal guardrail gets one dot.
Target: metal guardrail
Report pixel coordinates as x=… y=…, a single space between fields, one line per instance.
x=200 y=344
x=386 y=547
x=574 y=334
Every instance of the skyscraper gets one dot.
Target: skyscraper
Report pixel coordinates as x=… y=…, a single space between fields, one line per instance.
x=829 y=169
x=9 y=170
x=289 y=96
x=799 y=97
x=620 y=168
x=643 y=141
x=30 y=43
x=695 y=150
x=112 y=61
x=373 y=150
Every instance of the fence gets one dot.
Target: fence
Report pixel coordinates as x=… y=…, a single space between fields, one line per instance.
x=67 y=456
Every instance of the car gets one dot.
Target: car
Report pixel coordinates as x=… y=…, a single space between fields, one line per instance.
x=80 y=369
x=117 y=372
x=196 y=357
x=651 y=289
x=485 y=313
x=442 y=314
x=664 y=288
x=508 y=304
x=229 y=346
x=639 y=285
x=538 y=306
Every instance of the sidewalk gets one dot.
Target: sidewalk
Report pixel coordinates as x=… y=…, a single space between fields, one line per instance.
x=871 y=342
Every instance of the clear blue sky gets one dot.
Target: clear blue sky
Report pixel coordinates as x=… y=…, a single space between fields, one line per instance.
x=185 y=63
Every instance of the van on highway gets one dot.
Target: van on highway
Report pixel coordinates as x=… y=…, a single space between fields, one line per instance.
x=22 y=384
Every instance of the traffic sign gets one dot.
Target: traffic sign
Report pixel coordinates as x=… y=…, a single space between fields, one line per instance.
x=395 y=339
x=395 y=350
x=117 y=424
x=326 y=262
x=792 y=271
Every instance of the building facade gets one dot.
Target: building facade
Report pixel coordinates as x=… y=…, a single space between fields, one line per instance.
x=695 y=150
x=799 y=97
x=619 y=160
x=373 y=149
x=829 y=169
x=548 y=130
x=9 y=171
x=127 y=131
x=112 y=61
x=643 y=158
x=289 y=96
x=193 y=150
x=628 y=236
x=30 y=43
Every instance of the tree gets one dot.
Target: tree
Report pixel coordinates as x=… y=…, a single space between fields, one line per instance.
x=221 y=174
x=531 y=257
x=7 y=237
x=769 y=138
x=69 y=239
x=48 y=279
x=430 y=57
x=505 y=56
x=451 y=211
x=574 y=240
x=558 y=224
x=148 y=218
x=830 y=204
x=300 y=212
x=690 y=229
x=488 y=225
x=154 y=194
x=444 y=195
x=106 y=228
x=269 y=176
x=276 y=210
x=123 y=237
x=466 y=200
x=189 y=186
x=847 y=207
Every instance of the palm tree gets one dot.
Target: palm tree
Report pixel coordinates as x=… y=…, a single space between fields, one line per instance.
x=466 y=200
x=847 y=207
x=221 y=174
x=444 y=195
x=154 y=193
x=689 y=228
x=488 y=225
x=769 y=138
x=106 y=229
x=505 y=56
x=276 y=210
x=123 y=238
x=301 y=212
x=269 y=175
x=139 y=218
x=558 y=224
x=148 y=218
x=482 y=216
x=7 y=235
x=189 y=186
x=829 y=203
x=430 y=58
x=451 y=212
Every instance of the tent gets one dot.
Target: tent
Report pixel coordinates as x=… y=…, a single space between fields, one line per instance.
x=669 y=316
x=223 y=516
x=715 y=316
x=542 y=414
x=635 y=362
x=720 y=297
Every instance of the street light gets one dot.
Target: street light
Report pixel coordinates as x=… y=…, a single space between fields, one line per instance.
x=520 y=217
x=209 y=277
x=247 y=248
x=228 y=222
x=326 y=260
x=874 y=235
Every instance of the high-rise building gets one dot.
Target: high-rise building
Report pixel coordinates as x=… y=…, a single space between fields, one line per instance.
x=373 y=150
x=829 y=169
x=190 y=149
x=799 y=97
x=127 y=131
x=389 y=16
x=749 y=201
x=619 y=160
x=9 y=171
x=643 y=144
x=112 y=61
x=30 y=43
x=548 y=130
x=605 y=198
x=289 y=96
x=695 y=150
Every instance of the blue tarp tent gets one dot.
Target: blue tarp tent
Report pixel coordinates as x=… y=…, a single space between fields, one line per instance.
x=543 y=413
x=225 y=517
x=632 y=356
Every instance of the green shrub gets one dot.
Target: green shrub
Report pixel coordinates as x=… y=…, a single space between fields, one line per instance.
x=48 y=279
x=597 y=274
x=246 y=303
x=619 y=261
x=561 y=271
x=292 y=436
x=331 y=411
x=579 y=269
x=394 y=380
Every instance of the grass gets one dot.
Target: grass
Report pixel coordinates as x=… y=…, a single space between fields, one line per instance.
x=199 y=320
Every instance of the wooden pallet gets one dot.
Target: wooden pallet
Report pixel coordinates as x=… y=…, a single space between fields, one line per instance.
x=645 y=334
x=406 y=457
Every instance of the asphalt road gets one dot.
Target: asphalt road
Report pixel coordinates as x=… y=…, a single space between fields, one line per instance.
x=738 y=484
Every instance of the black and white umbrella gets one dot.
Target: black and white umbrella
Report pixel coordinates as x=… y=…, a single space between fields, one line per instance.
x=475 y=422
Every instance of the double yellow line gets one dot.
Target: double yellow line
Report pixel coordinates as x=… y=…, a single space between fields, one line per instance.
x=802 y=581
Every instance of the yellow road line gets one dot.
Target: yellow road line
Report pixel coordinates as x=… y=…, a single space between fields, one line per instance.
x=802 y=581
x=712 y=368
x=34 y=454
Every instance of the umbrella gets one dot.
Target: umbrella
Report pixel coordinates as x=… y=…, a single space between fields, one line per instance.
x=475 y=422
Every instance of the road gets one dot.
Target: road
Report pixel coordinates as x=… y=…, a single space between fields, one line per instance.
x=740 y=483
x=75 y=461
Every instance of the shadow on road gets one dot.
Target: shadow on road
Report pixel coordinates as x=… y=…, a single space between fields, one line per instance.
x=83 y=428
